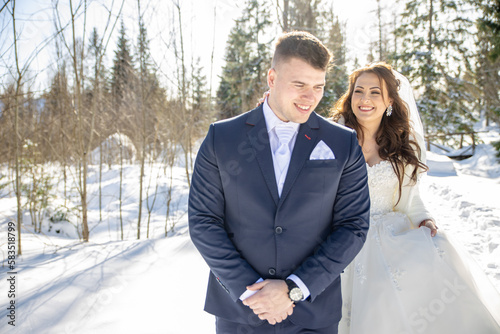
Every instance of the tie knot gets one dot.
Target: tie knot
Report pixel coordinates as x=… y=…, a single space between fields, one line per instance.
x=284 y=132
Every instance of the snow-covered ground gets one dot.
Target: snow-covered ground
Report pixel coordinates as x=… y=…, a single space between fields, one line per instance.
x=157 y=285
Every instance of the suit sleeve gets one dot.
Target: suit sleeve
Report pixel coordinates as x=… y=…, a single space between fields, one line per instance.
x=206 y=223
x=349 y=226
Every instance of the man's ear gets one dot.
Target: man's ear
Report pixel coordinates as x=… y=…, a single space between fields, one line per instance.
x=271 y=77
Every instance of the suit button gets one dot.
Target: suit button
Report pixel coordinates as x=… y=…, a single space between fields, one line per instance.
x=278 y=230
x=272 y=271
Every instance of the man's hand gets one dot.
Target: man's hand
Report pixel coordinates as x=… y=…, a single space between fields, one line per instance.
x=273 y=319
x=271 y=302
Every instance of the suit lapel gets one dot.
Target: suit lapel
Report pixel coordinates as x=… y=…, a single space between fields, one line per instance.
x=259 y=139
x=306 y=140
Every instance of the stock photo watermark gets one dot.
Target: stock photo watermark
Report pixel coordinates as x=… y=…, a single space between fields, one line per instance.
x=103 y=298
x=425 y=315
x=11 y=274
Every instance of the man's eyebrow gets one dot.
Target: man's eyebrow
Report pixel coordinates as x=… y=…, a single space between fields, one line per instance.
x=303 y=83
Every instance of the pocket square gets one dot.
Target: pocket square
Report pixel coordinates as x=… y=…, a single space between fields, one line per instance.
x=322 y=152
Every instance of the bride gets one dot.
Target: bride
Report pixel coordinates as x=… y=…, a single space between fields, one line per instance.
x=406 y=279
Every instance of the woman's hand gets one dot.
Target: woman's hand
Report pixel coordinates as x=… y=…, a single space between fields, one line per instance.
x=263 y=98
x=431 y=225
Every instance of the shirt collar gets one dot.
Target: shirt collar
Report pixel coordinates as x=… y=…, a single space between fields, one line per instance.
x=272 y=120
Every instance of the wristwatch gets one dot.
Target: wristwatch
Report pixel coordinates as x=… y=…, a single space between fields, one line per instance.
x=294 y=291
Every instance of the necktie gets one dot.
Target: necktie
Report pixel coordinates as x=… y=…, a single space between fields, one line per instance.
x=285 y=133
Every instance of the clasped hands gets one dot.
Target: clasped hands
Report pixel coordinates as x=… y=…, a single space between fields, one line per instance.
x=271 y=302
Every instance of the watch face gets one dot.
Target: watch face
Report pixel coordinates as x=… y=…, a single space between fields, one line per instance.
x=296 y=294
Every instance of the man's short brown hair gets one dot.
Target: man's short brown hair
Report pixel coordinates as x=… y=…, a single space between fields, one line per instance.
x=304 y=46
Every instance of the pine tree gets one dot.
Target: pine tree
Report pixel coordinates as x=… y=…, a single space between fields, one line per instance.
x=57 y=103
x=311 y=16
x=306 y=15
x=97 y=91
x=433 y=56
x=123 y=83
x=243 y=79
x=488 y=62
x=336 y=78
x=201 y=110
x=488 y=80
x=151 y=95
x=489 y=23
x=98 y=78
x=382 y=42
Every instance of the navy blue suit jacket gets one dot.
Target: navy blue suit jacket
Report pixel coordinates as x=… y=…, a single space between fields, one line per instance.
x=245 y=231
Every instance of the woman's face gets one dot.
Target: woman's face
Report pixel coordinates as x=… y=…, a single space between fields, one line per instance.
x=369 y=100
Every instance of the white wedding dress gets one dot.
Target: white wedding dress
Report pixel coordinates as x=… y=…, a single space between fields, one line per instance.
x=405 y=281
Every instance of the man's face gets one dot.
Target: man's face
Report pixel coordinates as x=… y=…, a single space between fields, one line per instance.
x=295 y=89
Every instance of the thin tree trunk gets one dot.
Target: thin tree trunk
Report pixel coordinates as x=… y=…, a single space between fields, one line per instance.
x=169 y=194
x=82 y=149
x=151 y=162
x=150 y=208
x=143 y=129
x=187 y=139
x=285 y=15
x=100 y=183
x=140 y=197
x=431 y=31
x=394 y=27
x=16 y=129
x=380 y=42
x=121 y=187
x=212 y=56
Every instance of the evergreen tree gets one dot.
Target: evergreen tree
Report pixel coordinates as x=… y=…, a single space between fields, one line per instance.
x=489 y=24
x=243 y=79
x=336 y=78
x=98 y=76
x=58 y=101
x=383 y=41
x=306 y=15
x=311 y=16
x=97 y=92
x=488 y=62
x=433 y=56
x=123 y=83
x=201 y=110
x=152 y=96
x=488 y=80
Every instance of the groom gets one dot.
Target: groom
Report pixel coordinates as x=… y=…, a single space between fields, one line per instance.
x=279 y=204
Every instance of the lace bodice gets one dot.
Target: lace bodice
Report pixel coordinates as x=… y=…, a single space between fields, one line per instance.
x=383 y=184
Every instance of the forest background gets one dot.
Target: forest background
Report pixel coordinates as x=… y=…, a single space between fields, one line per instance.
x=107 y=87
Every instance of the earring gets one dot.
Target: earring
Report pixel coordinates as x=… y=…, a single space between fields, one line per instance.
x=388 y=112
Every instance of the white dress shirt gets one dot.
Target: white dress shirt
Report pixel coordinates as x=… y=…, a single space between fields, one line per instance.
x=271 y=121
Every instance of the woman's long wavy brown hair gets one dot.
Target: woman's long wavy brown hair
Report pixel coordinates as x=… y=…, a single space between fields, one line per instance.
x=394 y=135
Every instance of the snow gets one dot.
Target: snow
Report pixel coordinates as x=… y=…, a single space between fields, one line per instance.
x=157 y=284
